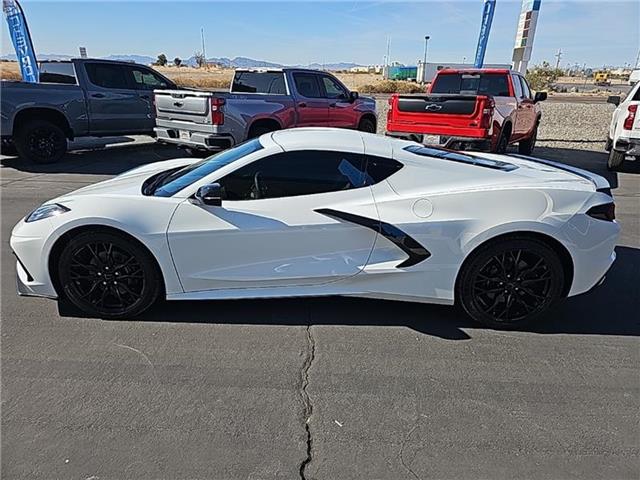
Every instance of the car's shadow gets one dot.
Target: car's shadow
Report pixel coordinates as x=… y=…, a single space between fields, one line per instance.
x=611 y=309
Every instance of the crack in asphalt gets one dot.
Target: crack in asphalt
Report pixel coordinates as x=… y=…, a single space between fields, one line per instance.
x=306 y=400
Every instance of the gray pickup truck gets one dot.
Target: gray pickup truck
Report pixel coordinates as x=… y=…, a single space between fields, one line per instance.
x=77 y=98
x=259 y=101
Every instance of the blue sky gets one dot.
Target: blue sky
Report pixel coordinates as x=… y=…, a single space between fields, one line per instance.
x=591 y=32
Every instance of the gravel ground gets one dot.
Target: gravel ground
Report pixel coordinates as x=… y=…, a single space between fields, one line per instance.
x=576 y=126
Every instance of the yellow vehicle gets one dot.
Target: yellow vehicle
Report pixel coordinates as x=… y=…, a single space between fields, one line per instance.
x=601 y=79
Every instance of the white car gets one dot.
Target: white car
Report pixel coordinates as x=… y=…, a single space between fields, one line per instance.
x=624 y=131
x=313 y=211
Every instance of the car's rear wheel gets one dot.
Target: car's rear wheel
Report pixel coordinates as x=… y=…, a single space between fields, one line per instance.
x=107 y=275
x=616 y=159
x=510 y=282
x=41 y=141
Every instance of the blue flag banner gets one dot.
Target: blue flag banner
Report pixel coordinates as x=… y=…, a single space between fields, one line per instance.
x=21 y=40
x=485 y=28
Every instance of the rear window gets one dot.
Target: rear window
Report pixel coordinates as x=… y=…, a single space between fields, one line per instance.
x=259 y=82
x=494 y=84
x=57 y=72
x=636 y=97
x=460 y=157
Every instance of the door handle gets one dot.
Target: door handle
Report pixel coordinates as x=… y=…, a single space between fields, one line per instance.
x=98 y=95
x=302 y=104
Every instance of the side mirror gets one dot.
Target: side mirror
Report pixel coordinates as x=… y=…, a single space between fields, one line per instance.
x=615 y=99
x=353 y=96
x=210 y=195
x=540 y=97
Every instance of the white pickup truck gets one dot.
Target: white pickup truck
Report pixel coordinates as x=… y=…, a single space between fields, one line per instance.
x=624 y=131
x=259 y=101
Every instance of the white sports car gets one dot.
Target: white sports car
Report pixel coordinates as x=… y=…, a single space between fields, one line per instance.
x=310 y=212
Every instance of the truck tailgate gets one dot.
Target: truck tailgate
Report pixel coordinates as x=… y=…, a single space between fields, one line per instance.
x=438 y=114
x=184 y=105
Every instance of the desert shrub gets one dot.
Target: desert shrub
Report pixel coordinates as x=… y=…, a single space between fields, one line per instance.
x=207 y=83
x=392 y=86
x=543 y=77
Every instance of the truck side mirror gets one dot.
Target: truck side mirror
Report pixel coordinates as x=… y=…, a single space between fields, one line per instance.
x=210 y=195
x=353 y=96
x=540 y=97
x=614 y=99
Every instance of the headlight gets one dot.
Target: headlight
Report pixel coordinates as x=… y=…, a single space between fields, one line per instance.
x=46 y=211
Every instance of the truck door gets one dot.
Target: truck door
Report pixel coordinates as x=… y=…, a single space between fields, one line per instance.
x=114 y=103
x=311 y=104
x=146 y=81
x=526 y=114
x=341 y=111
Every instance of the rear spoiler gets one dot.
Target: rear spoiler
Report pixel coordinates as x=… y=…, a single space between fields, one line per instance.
x=601 y=183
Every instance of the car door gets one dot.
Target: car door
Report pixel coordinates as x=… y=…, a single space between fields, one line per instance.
x=145 y=82
x=115 y=105
x=281 y=224
x=526 y=109
x=312 y=106
x=341 y=109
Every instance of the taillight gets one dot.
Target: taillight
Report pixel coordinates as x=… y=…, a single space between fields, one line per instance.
x=487 y=113
x=217 y=114
x=606 y=211
x=631 y=116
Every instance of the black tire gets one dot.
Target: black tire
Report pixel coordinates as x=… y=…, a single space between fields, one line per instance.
x=526 y=146
x=503 y=142
x=108 y=275
x=367 y=125
x=257 y=130
x=615 y=161
x=510 y=282
x=41 y=141
x=416 y=137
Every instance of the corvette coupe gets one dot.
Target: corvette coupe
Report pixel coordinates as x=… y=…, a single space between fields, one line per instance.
x=320 y=211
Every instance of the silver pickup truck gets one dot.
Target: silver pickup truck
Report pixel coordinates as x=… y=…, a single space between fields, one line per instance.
x=259 y=101
x=77 y=98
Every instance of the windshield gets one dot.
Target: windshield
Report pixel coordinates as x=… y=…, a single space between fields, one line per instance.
x=494 y=84
x=174 y=182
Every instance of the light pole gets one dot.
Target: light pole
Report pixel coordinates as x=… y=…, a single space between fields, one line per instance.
x=424 y=62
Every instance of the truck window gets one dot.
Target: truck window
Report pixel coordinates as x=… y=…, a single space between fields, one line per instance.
x=259 y=82
x=332 y=88
x=517 y=86
x=144 y=79
x=58 y=72
x=307 y=85
x=525 y=88
x=494 y=84
x=106 y=75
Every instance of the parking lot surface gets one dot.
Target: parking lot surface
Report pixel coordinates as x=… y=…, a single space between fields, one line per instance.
x=342 y=388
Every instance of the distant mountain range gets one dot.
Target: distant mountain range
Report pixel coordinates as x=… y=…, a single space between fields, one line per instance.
x=237 y=62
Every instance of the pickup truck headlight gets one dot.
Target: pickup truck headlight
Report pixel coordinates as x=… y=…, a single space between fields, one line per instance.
x=46 y=211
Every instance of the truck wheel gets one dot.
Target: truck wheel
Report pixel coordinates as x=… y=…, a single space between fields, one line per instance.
x=503 y=143
x=525 y=147
x=609 y=145
x=367 y=125
x=616 y=159
x=41 y=142
x=8 y=148
x=258 y=130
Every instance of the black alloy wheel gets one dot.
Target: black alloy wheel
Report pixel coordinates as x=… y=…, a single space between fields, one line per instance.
x=367 y=125
x=108 y=276
x=511 y=283
x=41 y=141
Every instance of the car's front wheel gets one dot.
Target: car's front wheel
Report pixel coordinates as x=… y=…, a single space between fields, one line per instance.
x=510 y=282
x=107 y=275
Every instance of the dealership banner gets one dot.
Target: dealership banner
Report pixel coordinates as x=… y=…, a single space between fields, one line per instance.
x=21 y=40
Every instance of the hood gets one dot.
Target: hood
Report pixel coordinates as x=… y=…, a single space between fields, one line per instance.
x=129 y=182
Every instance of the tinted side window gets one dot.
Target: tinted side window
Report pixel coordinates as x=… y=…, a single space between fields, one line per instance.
x=517 y=86
x=379 y=168
x=307 y=85
x=106 y=76
x=259 y=82
x=636 y=97
x=525 y=88
x=332 y=88
x=57 y=72
x=144 y=79
x=289 y=174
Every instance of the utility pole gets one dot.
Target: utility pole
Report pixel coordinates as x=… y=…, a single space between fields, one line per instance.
x=558 y=57
x=204 y=52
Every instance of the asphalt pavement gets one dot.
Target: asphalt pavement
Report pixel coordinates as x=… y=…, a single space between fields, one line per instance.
x=340 y=388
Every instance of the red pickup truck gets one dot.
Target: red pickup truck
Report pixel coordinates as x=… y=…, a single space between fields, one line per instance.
x=480 y=109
